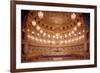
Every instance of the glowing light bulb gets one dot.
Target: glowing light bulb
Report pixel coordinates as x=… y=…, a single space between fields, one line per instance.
x=73 y=16
x=38 y=28
x=65 y=35
x=36 y=39
x=53 y=36
x=44 y=34
x=33 y=32
x=75 y=28
x=28 y=36
x=79 y=32
x=48 y=36
x=40 y=14
x=83 y=30
x=79 y=24
x=72 y=32
x=69 y=34
x=41 y=31
x=34 y=23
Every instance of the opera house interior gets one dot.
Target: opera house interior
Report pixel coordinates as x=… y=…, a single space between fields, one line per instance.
x=54 y=36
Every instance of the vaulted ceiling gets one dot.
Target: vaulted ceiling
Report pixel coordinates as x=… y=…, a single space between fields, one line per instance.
x=55 y=28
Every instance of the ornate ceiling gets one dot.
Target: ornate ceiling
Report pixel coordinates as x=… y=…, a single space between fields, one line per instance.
x=55 y=28
x=49 y=36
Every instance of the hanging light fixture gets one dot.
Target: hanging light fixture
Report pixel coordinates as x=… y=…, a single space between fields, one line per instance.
x=73 y=16
x=40 y=14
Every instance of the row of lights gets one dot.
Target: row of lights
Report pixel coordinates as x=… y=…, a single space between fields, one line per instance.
x=54 y=42
x=57 y=35
x=38 y=27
